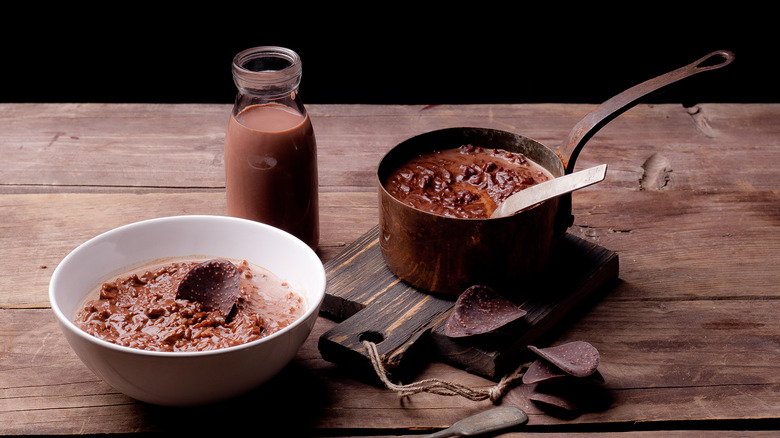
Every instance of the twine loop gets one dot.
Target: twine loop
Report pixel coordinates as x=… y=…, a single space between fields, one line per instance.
x=441 y=387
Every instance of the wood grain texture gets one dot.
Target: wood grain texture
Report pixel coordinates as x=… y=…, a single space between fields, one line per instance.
x=371 y=303
x=689 y=337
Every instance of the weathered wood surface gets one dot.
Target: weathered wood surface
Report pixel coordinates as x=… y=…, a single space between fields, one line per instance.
x=371 y=303
x=689 y=338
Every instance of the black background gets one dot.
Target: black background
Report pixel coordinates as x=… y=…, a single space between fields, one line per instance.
x=376 y=54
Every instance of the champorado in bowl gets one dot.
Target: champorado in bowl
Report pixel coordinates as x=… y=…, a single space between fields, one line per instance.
x=179 y=376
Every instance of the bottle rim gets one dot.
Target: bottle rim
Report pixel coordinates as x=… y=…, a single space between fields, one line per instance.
x=267 y=66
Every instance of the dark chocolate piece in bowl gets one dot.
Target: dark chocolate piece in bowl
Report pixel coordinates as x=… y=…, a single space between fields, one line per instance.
x=213 y=283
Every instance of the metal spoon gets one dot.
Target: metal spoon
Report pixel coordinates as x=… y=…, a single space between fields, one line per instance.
x=484 y=422
x=549 y=189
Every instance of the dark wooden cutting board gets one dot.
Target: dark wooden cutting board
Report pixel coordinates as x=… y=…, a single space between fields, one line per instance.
x=370 y=303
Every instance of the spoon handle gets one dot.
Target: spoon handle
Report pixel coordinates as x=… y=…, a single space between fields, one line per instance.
x=492 y=420
x=550 y=189
x=442 y=434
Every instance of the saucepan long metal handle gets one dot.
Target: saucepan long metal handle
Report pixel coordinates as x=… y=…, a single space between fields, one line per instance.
x=604 y=113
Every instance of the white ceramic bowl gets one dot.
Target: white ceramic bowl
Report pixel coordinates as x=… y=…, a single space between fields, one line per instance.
x=186 y=378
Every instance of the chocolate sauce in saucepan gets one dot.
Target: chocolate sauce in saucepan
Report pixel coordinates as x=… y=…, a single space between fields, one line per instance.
x=465 y=182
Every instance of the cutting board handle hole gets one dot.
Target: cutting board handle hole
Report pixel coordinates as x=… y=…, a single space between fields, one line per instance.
x=374 y=337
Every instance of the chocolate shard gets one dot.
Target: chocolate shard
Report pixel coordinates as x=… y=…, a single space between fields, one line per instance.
x=572 y=396
x=213 y=283
x=554 y=400
x=578 y=358
x=541 y=371
x=479 y=310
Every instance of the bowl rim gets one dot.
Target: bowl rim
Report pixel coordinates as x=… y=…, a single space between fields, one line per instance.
x=313 y=306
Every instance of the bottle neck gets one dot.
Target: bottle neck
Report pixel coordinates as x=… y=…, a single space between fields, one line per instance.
x=267 y=74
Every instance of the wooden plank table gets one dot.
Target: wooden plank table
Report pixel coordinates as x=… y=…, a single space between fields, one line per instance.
x=689 y=337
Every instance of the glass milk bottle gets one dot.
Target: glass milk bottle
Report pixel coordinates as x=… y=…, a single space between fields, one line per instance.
x=270 y=149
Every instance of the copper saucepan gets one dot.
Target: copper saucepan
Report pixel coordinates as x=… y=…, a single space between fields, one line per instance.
x=445 y=255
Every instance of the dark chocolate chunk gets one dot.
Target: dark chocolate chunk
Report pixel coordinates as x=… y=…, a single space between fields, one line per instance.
x=578 y=358
x=572 y=396
x=214 y=284
x=479 y=310
x=541 y=370
x=555 y=400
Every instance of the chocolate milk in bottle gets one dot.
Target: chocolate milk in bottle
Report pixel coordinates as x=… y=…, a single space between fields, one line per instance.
x=270 y=148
